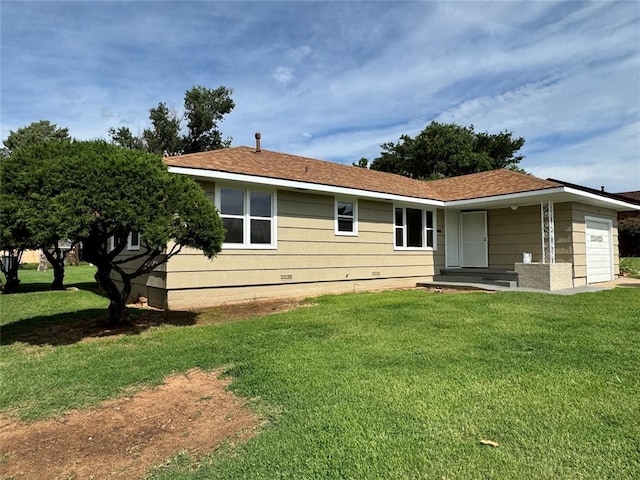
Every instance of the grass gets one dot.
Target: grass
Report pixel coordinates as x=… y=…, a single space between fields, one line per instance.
x=390 y=385
x=31 y=280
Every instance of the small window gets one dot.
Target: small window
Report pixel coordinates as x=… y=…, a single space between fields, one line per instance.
x=113 y=242
x=413 y=228
x=346 y=217
x=248 y=217
x=133 y=240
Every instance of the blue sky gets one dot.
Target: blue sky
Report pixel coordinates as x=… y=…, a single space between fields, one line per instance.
x=334 y=80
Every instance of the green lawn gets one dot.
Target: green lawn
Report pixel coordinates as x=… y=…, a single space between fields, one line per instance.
x=32 y=280
x=396 y=385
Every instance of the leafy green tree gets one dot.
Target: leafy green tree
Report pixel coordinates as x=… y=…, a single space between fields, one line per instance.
x=36 y=132
x=106 y=193
x=446 y=150
x=123 y=137
x=164 y=135
x=362 y=163
x=14 y=238
x=204 y=108
x=16 y=235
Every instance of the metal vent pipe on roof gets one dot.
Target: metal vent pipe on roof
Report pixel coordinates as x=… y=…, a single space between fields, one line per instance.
x=258 y=142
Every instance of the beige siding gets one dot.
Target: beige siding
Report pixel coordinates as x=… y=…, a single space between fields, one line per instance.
x=150 y=286
x=511 y=233
x=563 y=228
x=310 y=258
x=197 y=298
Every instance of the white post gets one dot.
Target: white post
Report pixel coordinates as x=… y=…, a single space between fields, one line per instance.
x=548 y=233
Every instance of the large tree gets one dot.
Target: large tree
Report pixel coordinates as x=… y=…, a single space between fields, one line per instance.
x=446 y=150
x=35 y=132
x=108 y=193
x=204 y=108
x=16 y=234
x=14 y=238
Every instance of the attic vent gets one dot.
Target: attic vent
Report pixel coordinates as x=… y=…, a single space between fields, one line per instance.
x=258 y=142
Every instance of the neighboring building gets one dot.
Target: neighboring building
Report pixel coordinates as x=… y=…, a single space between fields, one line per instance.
x=629 y=245
x=633 y=197
x=298 y=226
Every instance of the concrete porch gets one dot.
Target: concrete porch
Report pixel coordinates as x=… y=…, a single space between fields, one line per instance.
x=475 y=275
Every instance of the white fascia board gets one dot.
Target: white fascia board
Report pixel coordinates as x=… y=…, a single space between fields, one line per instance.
x=305 y=186
x=503 y=198
x=599 y=198
x=560 y=194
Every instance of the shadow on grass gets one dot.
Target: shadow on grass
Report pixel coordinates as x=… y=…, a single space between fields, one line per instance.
x=69 y=328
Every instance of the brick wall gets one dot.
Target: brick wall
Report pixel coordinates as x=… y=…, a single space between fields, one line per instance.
x=544 y=276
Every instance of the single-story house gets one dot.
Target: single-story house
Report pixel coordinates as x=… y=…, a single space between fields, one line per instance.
x=298 y=226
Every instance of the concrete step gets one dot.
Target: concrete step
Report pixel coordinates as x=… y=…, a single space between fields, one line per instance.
x=479 y=273
x=502 y=282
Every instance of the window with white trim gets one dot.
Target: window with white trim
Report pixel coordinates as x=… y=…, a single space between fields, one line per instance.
x=346 y=217
x=248 y=216
x=133 y=242
x=414 y=228
x=113 y=242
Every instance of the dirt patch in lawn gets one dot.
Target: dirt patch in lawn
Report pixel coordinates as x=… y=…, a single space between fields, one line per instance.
x=190 y=414
x=66 y=329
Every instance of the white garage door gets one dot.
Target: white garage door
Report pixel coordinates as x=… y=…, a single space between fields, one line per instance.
x=599 y=256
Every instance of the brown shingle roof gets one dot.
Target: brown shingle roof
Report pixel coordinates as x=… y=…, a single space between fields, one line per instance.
x=266 y=163
x=635 y=195
x=489 y=184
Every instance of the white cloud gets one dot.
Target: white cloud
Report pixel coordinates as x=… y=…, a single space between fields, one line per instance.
x=283 y=75
x=333 y=80
x=611 y=159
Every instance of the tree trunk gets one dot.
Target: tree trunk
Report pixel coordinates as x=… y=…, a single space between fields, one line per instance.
x=56 y=259
x=10 y=265
x=11 y=285
x=118 y=312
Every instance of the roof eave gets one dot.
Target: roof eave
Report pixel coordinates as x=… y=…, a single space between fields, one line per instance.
x=207 y=174
x=553 y=194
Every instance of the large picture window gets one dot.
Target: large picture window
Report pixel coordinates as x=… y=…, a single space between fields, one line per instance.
x=346 y=217
x=414 y=228
x=248 y=216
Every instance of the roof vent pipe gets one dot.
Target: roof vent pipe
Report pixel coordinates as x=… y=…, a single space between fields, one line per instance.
x=602 y=188
x=258 y=142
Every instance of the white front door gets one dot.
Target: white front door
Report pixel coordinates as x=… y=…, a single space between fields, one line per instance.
x=473 y=231
x=599 y=250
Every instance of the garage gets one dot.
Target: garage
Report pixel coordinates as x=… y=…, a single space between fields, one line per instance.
x=599 y=250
